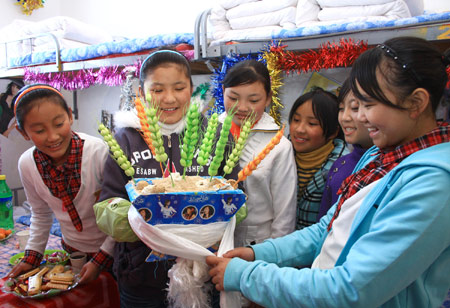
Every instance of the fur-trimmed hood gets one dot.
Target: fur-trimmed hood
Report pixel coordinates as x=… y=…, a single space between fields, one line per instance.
x=129 y=118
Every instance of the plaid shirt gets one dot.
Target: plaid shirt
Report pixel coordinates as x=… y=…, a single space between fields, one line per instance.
x=101 y=258
x=64 y=181
x=385 y=162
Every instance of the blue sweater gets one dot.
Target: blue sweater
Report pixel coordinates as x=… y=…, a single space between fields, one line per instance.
x=397 y=253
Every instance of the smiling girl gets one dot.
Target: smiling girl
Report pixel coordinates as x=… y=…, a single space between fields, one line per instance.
x=61 y=175
x=356 y=135
x=271 y=188
x=166 y=75
x=313 y=128
x=386 y=243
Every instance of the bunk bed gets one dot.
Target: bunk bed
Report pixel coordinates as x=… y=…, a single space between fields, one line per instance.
x=433 y=27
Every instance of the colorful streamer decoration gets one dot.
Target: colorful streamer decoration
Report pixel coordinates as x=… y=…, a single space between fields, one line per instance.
x=271 y=57
x=327 y=56
x=28 y=6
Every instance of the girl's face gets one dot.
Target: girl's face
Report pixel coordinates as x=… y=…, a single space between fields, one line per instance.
x=305 y=130
x=48 y=126
x=171 y=90
x=354 y=131
x=388 y=127
x=246 y=100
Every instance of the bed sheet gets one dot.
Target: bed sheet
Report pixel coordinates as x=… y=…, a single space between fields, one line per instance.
x=322 y=28
x=127 y=46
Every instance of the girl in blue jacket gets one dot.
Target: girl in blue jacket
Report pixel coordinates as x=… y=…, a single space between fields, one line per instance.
x=386 y=242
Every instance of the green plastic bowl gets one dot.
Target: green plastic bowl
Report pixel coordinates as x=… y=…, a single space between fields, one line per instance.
x=17 y=257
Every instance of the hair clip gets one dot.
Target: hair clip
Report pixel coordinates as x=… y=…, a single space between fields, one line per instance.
x=405 y=66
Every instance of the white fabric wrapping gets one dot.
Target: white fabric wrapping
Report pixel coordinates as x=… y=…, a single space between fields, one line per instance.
x=188 y=275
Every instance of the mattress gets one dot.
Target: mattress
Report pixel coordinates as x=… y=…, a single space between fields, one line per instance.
x=86 y=52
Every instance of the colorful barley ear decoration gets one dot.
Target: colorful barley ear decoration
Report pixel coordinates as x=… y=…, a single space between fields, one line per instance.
x=244 y=173
x=208 y=140
x=220 y=146
x=145 y=132
x=116 y=152
x=153 y=127
x=239 y=146
x=191 y=136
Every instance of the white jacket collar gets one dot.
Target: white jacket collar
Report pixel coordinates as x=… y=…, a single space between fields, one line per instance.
x=265 y=123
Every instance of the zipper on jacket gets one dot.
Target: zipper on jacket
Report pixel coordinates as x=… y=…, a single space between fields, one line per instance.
x=169 y=145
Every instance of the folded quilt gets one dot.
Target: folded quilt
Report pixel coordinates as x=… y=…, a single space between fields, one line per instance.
x=391 y=10
x=258 y=7
x=415 y=7
x=258 y=33
x=228 y=4
x=284 y=18
x=333 y=3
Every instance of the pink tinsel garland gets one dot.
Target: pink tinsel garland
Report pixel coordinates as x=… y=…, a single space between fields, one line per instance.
x=76 y=80
x=109 y=75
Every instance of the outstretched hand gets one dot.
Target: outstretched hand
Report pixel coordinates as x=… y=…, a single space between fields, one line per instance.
x=89 y=272
x=245 y=253
x=217 y=272
x=219 y=265
x=20 y=268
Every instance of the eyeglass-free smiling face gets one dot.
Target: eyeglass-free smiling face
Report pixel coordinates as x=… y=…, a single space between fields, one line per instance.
x=246 y=100
x=48 y=125
x=171 y=91
x=305 y=130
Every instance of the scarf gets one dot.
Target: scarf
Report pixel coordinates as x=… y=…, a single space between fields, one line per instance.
x=309 y=163
x=64 y=181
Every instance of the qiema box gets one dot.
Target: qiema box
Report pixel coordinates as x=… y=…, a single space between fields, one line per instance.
x=201 y=207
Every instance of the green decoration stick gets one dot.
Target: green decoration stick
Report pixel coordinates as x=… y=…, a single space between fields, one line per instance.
x=191 y=136
x=153 y=127
x=208 y=140
x=116 y=152
x=220 y=146
x=238 y=147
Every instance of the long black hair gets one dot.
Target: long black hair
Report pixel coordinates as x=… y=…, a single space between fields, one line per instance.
x=325 y=109
x=247 y=72
x=406 y=63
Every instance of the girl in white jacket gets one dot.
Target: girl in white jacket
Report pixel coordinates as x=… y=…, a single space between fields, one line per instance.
x=272 y=187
